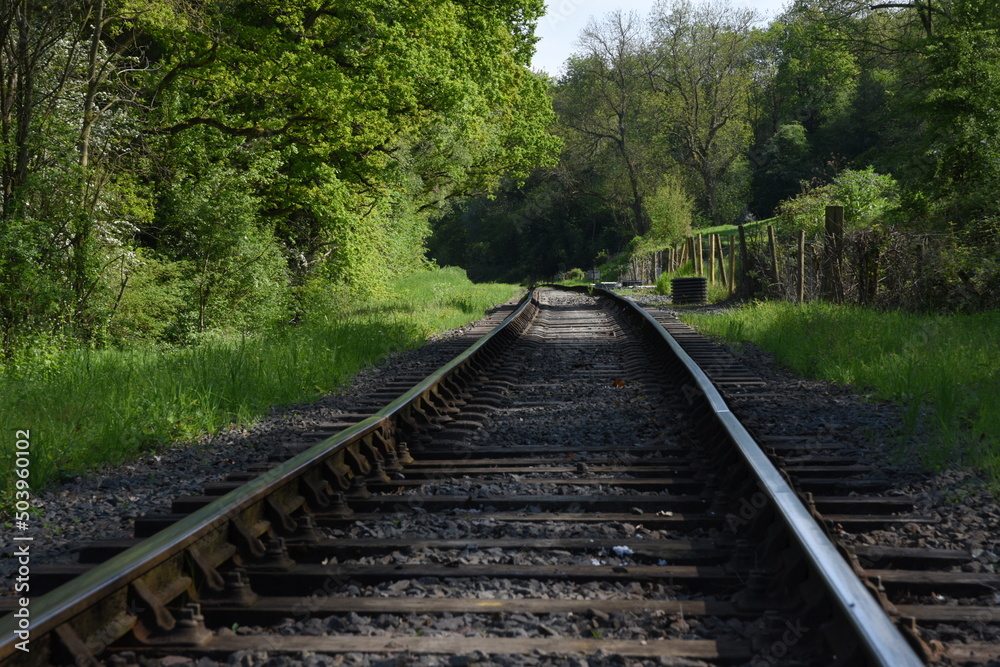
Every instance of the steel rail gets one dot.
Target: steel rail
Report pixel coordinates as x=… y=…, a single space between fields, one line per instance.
x=90 y=588
x=880 y=638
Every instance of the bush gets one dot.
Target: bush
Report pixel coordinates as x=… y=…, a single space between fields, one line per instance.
x=867 y=197
x=574 y=274
x=671 y=211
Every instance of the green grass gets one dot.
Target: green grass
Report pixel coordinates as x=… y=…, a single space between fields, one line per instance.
x=86 y=409
x=729 y=230
x=944 y=370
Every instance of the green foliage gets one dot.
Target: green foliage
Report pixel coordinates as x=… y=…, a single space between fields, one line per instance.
x=614 y=267
x=671 y=210
x=960 y=100
x=943 y=370
x=90 y=408
x=816 y=70
x=235 y=274
x=787 y=159
x=867 y=197
x=171 y=171
x=533 y=232
x=152 y=301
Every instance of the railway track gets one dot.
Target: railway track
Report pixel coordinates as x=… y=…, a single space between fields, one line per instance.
x=570 y=486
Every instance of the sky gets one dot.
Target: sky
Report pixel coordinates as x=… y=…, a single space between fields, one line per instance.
x=561 y=26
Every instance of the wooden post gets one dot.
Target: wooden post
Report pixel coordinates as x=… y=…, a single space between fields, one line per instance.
x=817 y=266
x=921 y=293
x=732 y=263
x=833 y=248
x=722 y=262
x=691 y=256
x=802 y=266
x=746 y=286
x=711 y=259
x=772 y=247
x=700 y=268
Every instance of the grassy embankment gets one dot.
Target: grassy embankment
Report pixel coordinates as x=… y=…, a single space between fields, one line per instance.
x=944 y=370
x=86 y=409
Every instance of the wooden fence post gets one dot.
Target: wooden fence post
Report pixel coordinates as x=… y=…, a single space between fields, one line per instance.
x=732 y=263
x=773 y=250
x=746 y=285
x=802 y=266
x=834 y=249
x=722 y=262
x=711 y=259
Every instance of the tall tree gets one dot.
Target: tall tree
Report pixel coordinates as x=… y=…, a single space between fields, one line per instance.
x=604 y=105
x=703 y=75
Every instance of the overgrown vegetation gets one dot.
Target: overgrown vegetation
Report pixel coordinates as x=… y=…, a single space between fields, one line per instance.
x=173 y=171
x=90 y=408
x=943 y=370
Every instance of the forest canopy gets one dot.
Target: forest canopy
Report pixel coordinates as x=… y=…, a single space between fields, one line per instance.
x=170 y=168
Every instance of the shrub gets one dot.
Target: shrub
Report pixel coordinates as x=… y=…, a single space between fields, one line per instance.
x=671 y=211
x=867 y=197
